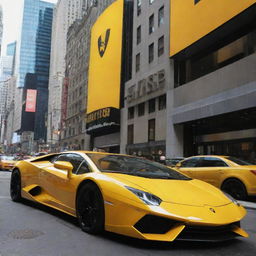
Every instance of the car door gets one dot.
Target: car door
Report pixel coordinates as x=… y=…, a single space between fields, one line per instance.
x=210 y=169
x=60 y=188
x=188 y=166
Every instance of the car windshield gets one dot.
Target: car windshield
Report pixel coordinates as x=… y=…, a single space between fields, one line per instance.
x=134 y=166
x=8 y=158
x=238 y=161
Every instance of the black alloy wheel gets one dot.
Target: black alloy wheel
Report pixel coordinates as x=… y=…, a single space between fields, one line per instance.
x=235 y=188
x=90 y=209
x=15 y=186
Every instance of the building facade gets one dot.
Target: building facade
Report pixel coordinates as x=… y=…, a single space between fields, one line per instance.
x=33 y=57
x=73 y=132
x=1 y=27
x=65 y=13
x=215 y=81
x=144 y=117
x=191 y=90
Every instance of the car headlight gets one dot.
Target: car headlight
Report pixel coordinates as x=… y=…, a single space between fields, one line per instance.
x=231 y=198
x=146 y=197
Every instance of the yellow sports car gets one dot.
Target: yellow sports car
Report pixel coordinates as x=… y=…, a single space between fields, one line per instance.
x=128 y=195
x=7 y=162
x=232 y=175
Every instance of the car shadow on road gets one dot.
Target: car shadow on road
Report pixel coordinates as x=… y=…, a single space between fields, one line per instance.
x=61 y=215
x=175 y=245
x=133 y=242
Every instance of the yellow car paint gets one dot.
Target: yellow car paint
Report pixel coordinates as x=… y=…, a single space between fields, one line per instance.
x=186 y=202
x=218 y=175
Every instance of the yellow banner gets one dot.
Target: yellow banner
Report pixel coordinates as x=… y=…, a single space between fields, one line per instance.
x=191 y=20
x=105 y=59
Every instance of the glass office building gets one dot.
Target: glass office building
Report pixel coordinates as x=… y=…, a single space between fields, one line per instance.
x=11 y=48
x=35 y=43
x=34 y=57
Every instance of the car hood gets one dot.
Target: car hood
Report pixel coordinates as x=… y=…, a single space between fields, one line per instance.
x=8 y=161
x=187 y=192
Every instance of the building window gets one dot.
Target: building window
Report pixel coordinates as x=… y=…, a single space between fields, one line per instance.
x=161 y=16
x=151 y=1
x=130 y=134
x=141 y=109
x=162 y=102
x=151 y=129
x=138 y=7
x=151 y=105
x=131 y=113
x=138 y=34
x=137 y=62
x=160 y=46
x=151 y=24
x=200 y=65
x=151 y=53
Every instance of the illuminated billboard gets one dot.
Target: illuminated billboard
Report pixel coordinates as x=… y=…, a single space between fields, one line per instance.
x=31 y=100
x=190 y=20
x=104 y=80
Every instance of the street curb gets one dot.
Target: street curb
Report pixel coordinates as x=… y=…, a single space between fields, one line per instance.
x=248 y=205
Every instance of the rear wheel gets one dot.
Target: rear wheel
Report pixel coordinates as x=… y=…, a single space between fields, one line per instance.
x=15 y=186
x=90 y=209
x=235 y=188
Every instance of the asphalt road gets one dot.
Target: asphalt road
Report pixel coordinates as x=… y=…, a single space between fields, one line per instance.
x=27 y=229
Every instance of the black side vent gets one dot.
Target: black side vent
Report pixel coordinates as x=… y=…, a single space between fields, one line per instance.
x=35 y=191
x=151 y=224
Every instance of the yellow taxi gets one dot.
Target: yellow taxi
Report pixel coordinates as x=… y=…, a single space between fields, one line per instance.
x=230 y=174
x=7 y=162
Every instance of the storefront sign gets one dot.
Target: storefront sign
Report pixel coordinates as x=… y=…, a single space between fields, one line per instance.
x=102 y=119
x=147 y=86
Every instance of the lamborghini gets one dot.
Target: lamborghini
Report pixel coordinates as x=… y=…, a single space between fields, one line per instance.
x=128 y=195
x=232 y=175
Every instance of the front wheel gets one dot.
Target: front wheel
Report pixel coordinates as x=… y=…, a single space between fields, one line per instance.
x=235 y=188
x=90 y=209
x=15 y=186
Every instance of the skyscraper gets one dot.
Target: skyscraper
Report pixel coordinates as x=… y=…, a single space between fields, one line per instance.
x=1 y=27
x=65 y=13
x=33 y=57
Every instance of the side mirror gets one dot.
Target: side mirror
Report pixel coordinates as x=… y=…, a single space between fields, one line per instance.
x=178 y=165
x=63 y=165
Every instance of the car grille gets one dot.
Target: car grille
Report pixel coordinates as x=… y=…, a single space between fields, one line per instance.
x=154 y=224
x=150 y=224
x=206 y=233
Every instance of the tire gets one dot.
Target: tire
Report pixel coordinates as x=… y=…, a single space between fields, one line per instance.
x=90 y=209
x=15 y=186
x=235 y=188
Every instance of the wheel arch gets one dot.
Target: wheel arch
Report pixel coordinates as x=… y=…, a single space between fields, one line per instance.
x=86 y=181
x=236 y=179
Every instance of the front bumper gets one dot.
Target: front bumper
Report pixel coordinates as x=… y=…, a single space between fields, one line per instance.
x=168 y=222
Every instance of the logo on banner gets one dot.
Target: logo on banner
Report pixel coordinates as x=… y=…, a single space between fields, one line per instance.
x=102 y=44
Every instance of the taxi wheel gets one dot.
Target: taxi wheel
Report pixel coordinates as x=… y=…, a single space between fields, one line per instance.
x=235 y=188
x=90 y=209
x=15 y=186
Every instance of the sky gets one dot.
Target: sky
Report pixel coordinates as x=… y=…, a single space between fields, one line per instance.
x=11 y=19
